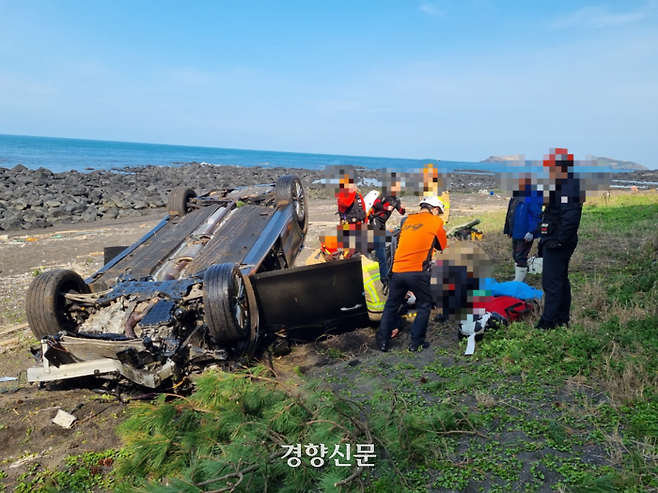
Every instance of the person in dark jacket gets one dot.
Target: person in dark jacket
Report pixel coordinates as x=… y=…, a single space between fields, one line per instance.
x=386 y=203
x=351 y=206
x=559 y=237
x=382 y=209
x=521 y=223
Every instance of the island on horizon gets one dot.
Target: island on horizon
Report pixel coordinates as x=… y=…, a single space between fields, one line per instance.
x=615 y=164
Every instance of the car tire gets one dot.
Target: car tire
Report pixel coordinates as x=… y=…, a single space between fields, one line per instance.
x=45 y=304
x=178 y=202
x=246 y=348
x=226 y=303
x=289 y=190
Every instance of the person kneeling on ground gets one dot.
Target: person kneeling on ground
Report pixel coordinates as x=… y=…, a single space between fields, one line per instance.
x=376 y=297
x=420 y=235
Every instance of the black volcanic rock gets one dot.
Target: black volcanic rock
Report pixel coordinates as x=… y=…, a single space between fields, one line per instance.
x=32 y=199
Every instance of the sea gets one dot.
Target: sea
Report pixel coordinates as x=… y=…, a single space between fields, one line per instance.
x=61 y=154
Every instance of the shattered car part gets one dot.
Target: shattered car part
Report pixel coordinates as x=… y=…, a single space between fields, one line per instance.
x=180 y=296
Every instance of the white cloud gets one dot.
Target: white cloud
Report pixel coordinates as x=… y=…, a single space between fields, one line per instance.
x=598 y=17
x=432 y=10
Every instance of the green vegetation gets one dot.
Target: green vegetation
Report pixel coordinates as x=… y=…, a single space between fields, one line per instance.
x=569 y=410
x=83 y=474
x=576 y=409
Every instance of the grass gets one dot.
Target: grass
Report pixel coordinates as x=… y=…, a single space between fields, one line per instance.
x=569 y=410
x=84 y=473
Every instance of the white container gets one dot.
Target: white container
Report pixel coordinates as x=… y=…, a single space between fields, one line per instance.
x=535 y=265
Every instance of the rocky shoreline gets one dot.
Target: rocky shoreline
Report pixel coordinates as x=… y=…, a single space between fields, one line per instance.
x=36 y=199
x=643 y=179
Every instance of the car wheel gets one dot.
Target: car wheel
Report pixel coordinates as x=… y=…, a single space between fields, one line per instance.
x=246 y=348
x=45 y=304
x=226 y=303
x=289 y=190
x=178 y=203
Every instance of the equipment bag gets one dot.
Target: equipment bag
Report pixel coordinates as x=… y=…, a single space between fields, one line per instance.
x=499 y=311
x=508 y=308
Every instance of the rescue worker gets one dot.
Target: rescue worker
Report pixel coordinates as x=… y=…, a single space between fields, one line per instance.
x=521 y=224
x=351 y=206
x=559 y=237
x=420 y=235
x=382 y=209
x=376 y=297
x=386 y=203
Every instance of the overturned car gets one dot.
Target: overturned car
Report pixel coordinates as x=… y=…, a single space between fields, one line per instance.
x=203 y=286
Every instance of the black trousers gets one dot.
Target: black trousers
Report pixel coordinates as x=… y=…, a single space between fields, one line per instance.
x=418 y=283
x=556 y=285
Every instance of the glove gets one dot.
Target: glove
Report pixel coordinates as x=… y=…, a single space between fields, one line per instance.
x=552 y=244
x=528 y=237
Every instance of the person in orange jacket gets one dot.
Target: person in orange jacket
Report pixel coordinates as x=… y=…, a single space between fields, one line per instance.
x=420 y=235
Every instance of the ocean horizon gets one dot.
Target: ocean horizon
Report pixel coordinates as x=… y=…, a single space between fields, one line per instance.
x=59 y=154
x=64 y=154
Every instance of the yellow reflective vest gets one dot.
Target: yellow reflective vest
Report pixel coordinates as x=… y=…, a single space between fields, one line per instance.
x=372 y=286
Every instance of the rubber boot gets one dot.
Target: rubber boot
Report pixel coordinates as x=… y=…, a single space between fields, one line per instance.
x=520 y=273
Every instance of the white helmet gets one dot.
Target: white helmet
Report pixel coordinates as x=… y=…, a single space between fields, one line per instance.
x=432 y=201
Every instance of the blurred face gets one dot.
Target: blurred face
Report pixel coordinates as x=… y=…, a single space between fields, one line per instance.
x=555 y=172
x=347 y=184
x=396 y=188
x=524 y=183
x=430 y=179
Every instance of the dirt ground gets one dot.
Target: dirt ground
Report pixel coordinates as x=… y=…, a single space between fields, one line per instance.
x=31 y=441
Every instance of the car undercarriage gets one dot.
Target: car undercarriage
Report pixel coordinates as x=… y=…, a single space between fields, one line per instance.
x=181 y=297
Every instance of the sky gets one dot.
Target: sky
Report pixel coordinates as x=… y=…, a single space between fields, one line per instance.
x=458 y=80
